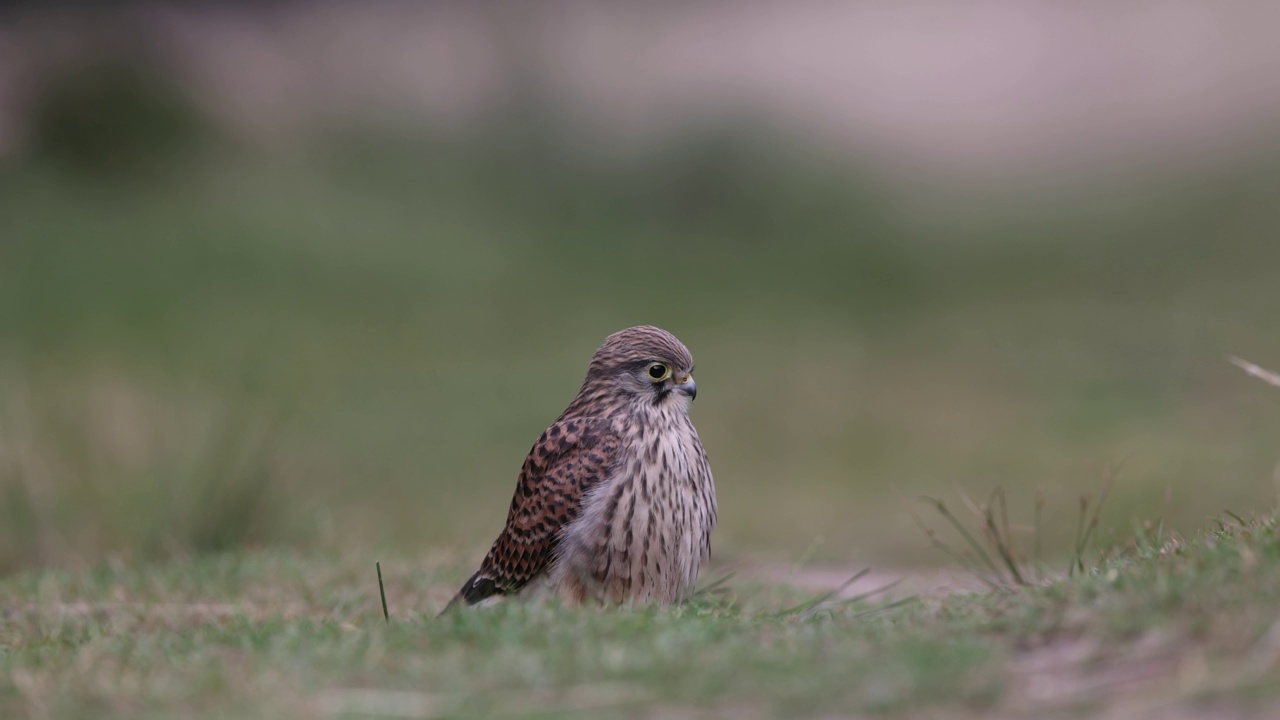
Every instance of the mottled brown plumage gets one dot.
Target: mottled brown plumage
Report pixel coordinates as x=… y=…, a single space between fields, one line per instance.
x=615 y=501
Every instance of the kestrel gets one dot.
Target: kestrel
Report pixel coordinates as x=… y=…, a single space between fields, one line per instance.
x=615 y=502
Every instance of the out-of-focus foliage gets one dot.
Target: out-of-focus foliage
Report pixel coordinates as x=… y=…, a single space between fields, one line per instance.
x=118 y=114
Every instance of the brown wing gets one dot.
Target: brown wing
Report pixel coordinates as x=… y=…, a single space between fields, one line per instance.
x=572 y=456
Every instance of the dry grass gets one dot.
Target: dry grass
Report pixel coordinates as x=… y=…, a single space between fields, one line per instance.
x=999 y=560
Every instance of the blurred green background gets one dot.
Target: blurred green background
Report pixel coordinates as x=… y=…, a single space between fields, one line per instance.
x=348 y=342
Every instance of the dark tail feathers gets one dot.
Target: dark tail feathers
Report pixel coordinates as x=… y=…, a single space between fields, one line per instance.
x=479 y=587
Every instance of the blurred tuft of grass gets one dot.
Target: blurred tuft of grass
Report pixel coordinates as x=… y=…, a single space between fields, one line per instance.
x=355 y=344
x=101 y=466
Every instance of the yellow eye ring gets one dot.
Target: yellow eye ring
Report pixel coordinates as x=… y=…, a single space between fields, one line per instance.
x=658 y=372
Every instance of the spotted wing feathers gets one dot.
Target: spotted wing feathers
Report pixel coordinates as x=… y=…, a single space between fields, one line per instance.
x=571 y=457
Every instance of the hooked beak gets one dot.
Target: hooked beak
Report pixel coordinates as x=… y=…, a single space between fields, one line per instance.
x=689 y=387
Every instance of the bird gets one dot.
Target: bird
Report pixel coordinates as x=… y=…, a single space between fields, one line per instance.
x=615 y=502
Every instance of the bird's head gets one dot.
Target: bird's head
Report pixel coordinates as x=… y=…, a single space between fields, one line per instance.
x=643 y=363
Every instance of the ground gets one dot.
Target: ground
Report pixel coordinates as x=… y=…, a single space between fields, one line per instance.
x=1168 y=627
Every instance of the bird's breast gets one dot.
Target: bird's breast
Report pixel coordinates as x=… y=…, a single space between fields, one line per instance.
x=646 y=530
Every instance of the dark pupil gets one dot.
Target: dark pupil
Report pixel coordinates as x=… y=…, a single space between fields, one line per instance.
x=657 y=371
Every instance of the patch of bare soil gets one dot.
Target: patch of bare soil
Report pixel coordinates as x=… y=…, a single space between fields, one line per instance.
x=824 y=578
x=1158 y=675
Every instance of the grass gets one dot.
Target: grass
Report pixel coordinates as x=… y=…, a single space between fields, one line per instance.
x=1163 y=625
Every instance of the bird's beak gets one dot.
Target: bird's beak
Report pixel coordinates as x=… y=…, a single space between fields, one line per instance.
x=688 y=387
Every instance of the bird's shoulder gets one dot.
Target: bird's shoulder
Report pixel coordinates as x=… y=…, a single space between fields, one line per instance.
x=569 y=458
x=571 y=446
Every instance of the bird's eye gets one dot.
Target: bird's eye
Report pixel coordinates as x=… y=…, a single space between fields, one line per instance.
x=658 y=372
